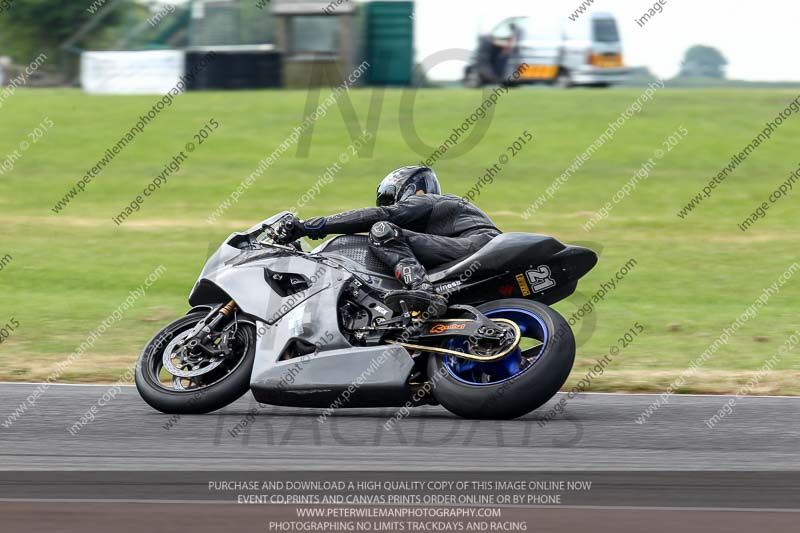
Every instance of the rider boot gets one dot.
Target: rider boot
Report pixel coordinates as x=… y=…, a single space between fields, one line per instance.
x=419 y=294
x=387 y=243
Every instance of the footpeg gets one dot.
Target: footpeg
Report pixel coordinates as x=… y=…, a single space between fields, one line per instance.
x=406 y=301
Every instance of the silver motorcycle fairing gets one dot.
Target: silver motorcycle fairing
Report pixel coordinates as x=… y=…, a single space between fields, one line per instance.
x=226 y=252
x=245 y=283
x=374 y=376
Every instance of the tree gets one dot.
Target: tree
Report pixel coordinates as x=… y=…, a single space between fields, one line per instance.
x=32 y=27
x=703 y=62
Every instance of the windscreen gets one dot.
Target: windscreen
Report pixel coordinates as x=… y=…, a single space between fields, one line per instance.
x=605 y=30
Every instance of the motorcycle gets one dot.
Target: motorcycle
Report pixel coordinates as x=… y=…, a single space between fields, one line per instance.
x=312 y=329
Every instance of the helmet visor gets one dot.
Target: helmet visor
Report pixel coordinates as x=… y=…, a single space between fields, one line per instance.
x=386 y=195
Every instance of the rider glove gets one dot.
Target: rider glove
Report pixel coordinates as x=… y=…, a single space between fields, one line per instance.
x=294 y=228
x=315 y=227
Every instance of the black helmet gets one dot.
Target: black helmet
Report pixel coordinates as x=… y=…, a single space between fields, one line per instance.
x=405 y=182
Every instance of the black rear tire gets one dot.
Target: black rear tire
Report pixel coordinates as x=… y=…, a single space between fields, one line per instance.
x=193 y=401
x=521 y=394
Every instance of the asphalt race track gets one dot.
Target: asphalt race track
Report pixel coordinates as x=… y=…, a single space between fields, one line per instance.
x=594 y=432
x=131 y=469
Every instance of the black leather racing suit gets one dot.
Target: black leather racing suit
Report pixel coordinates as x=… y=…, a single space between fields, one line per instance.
x=420 y=231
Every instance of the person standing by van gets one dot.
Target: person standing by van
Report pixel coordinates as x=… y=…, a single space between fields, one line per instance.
x=507 y=48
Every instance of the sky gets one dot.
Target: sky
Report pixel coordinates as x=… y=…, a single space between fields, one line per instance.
x=759 y=39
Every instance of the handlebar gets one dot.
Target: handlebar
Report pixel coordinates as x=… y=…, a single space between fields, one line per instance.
x=276 y=232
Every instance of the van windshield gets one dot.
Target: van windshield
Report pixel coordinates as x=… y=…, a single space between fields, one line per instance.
x=605 y=30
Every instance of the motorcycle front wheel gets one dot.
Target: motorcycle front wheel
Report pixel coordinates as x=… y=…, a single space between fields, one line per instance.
x=520 y=382
x=175 y=381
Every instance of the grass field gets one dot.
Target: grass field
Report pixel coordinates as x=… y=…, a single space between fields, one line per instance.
x=693 y=277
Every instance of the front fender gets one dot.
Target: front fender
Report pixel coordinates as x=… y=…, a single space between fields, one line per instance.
x=198 y=308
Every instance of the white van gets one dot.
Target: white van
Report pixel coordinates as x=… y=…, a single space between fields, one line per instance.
x=550 y=49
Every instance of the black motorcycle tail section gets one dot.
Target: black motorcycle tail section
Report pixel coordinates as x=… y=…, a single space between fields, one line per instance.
x=519 y=265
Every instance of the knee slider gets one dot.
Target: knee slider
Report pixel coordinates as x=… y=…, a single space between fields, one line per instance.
x=383 y=233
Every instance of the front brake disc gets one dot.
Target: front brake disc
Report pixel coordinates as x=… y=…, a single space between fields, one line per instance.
x=170 y=355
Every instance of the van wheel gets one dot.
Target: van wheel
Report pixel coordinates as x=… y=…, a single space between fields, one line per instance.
x=472 y=78
x=563 y=80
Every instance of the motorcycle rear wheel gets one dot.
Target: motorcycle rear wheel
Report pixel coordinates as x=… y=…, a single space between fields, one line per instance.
x=524 y=380
x=215 y=389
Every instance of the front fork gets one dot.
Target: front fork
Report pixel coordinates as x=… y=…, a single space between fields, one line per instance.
x=208 y=324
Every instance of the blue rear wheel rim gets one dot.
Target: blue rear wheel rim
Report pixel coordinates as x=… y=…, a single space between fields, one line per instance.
x=511 y=366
